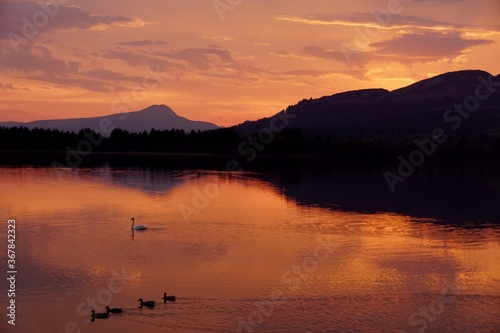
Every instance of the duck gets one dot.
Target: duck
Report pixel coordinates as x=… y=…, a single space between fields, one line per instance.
x=168 y=298
x=94 y=315
x=149 y=304
x=137 y=227
x=113 y=310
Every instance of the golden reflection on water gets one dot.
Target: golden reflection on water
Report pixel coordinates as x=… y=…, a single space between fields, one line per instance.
x=240 y=240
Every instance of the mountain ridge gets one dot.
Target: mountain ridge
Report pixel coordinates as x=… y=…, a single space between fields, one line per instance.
x=414 y=110
x=365 y=114
x=157 y=116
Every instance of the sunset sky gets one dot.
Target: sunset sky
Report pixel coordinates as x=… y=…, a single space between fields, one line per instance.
x=226 y=61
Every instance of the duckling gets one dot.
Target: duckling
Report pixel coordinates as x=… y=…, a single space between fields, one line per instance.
x=113 y=310
x=168 y=298
x=149 y=304
x=94 y=315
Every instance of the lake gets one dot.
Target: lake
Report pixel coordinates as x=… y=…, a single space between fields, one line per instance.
x=309 y=250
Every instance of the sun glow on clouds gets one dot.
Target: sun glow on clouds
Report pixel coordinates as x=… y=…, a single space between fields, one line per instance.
x=398 y=23
x=133 y=23
x=259 y=59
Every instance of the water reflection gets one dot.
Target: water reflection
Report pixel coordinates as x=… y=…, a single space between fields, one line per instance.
x=249 y=250
x=459 y=193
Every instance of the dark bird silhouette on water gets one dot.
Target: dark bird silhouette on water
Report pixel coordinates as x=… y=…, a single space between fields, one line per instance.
x=166 y=298
x=149 y=304
x=113 y=310
x=94 y=315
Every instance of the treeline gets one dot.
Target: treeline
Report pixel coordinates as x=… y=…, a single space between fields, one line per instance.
x=227 y=141
x=22 y=138
x=219 y=141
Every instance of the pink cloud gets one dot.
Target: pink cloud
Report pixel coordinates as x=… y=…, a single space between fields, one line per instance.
x=21 y=22
x=426 y=47
x=405 y=49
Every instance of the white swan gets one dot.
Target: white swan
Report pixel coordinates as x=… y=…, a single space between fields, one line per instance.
x=137 y=227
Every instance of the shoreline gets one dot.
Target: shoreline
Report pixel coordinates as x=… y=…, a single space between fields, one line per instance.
x=212 y=161
x=221 y=161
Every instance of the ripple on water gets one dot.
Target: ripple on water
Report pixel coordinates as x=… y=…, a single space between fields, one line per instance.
x=384 y=271
x=342 y=313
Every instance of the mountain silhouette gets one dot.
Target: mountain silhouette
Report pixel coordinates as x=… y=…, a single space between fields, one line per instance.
x=369 y=114
x=159 y=117
x=401 y=114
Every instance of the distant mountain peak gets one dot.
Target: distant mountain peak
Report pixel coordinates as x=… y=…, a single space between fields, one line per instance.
x=158 y=108
x=158 y=116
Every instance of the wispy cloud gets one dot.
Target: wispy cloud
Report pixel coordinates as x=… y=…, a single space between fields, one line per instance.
x=358 y=58
x=202 y=58
x=107 y=75
x=406 y=49
x=139 y=58
x=38 y=62
x=426 y=47
x=396 y=23
x=11 y=87
x=132 y=58
x=354 y=73
x=82 y=82
x=14 y=15
x=35 y=58
x=142 y=43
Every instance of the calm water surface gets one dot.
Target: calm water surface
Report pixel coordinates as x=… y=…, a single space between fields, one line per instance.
x=241 y=253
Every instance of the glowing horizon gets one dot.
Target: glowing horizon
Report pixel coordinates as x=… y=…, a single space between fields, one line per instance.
x=227 y=62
